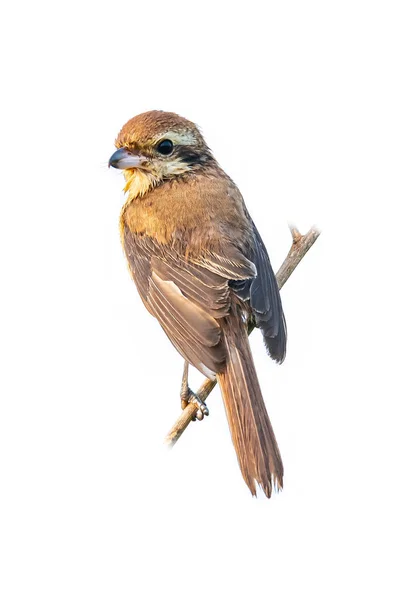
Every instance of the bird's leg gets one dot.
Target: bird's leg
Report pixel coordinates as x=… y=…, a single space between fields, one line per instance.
x=185 y=391
x=187 y=395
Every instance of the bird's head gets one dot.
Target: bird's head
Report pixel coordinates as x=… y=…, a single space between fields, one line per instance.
x=156 y=146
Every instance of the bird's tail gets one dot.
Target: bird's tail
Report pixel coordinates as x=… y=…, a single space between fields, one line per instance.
x=251 y=430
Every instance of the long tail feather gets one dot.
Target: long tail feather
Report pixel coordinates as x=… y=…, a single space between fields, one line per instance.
x=251 y=430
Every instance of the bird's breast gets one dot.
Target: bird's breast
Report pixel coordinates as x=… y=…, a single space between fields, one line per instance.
x=195 y=214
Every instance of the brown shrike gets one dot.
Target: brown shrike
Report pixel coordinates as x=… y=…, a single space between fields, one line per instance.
x=202 y=270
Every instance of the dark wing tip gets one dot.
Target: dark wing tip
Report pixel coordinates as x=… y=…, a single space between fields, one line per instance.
x=276 y=345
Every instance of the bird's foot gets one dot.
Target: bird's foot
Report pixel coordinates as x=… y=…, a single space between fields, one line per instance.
x=192 y=398
x=188 y=396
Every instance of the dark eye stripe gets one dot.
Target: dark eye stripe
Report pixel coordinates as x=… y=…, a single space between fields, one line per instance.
x=189 y=156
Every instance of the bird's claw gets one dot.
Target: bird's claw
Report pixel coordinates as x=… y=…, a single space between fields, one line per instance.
x=202 y=409
x=192 y=398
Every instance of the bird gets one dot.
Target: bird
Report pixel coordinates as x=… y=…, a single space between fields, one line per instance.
x=202 y=270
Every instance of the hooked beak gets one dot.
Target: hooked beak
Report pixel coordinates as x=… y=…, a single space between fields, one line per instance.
x=125 y=159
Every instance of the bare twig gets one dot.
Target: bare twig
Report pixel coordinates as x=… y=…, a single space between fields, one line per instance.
x=300 y=246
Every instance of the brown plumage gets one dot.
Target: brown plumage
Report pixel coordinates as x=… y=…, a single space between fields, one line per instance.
x=201 y=269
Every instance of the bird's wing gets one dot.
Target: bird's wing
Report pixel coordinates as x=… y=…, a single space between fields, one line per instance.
x=188 y=298
x=264 y=299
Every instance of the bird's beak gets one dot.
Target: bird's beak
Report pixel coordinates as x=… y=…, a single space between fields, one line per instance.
x=125 y=159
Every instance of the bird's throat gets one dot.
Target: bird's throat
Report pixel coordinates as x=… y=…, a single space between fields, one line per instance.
x=138 y=183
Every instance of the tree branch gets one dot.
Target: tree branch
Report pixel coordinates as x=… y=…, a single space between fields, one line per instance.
x=300 y=246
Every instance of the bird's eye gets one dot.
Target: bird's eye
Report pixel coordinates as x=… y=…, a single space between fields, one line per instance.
x=165 y=147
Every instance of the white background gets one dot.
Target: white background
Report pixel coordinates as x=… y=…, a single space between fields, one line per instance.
x=300 y=103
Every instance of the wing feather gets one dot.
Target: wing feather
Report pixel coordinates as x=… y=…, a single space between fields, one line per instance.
x=266 y=302
x=188 y=295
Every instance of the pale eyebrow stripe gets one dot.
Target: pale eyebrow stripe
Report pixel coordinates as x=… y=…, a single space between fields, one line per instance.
x=183 y=139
